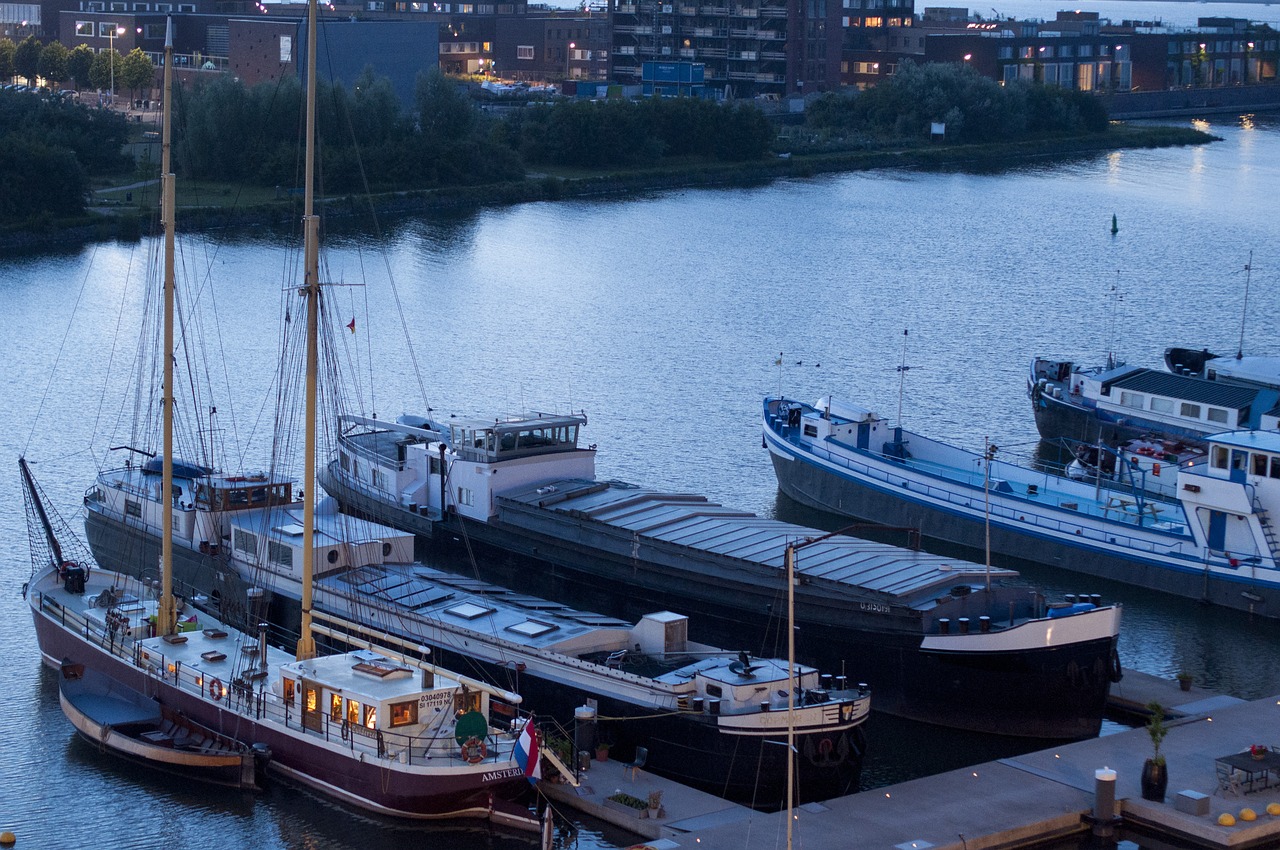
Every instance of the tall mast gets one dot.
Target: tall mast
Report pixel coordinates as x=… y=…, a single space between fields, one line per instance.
x=166 y=614
x=791 y=689
x=311 y=250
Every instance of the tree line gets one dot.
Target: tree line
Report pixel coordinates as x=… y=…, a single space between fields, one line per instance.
x=80 y=66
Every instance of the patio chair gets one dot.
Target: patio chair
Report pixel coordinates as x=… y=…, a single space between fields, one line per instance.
x=1228 y=782
x=633 y=767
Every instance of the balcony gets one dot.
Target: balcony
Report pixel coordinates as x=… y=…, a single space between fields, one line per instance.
x=771 y=12
x=774 y=55
x=689 y=11
x=712 y=52
x=625 y=9
x=742 y=33
x=688 y=53
x=744 y=12
x=713 y=10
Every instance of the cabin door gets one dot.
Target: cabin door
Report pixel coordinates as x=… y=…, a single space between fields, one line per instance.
x=312 y=711
x=1239 y=465
x=1217 y=530
x=864 y=435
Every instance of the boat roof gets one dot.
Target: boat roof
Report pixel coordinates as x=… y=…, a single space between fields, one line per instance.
x=284 y=523
x=1200 y=390
x=502 y=615
x=1265 y=441
x=1262 y=369
x=515 y=422
x=907 y=576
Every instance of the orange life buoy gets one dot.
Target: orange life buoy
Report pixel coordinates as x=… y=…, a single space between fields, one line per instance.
x=474 y=751
x=215 y=689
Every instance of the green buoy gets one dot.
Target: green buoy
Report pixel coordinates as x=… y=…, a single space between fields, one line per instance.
x=1115 y=228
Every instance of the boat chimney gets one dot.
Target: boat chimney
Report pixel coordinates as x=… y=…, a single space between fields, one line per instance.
x=984 y=623
x=944 y=625
x=696 y=704
x=262 y=646
x=1096 y=599
x=842 y=682
x=584 y=732
x=826 y=681
x=1070 y=597
x=964 y=625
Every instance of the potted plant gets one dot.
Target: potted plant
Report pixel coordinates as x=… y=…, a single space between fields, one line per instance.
x=1155 y=776
x=655 y=804
x=1184 y=680
x=602 y=751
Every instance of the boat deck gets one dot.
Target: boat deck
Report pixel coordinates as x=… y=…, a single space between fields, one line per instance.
x=691 y=521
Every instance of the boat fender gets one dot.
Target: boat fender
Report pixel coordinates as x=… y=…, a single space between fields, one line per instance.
x=215 y=689
x=346 y=730
x=1116 y=672
x=474 y=751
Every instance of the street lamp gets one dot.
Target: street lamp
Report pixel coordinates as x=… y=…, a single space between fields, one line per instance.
x=568 y=54
x=111 y=50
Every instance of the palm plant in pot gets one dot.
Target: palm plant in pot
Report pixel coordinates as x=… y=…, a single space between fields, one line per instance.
x=1155 y=777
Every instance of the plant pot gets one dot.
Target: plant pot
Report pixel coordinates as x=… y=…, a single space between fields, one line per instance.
x=1185 y=684
x=1155 y=779
x=602 y=754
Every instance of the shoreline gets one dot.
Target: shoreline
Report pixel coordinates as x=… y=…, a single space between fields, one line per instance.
x=108 y=222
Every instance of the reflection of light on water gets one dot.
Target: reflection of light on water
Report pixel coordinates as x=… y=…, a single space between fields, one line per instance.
x=1201 y=125
x=1114 y=160
x=1246 y=121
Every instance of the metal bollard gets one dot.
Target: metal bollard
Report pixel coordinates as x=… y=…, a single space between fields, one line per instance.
x=1104 y=802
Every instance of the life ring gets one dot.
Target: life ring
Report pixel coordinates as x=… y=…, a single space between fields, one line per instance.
x=474 y=751
x=64 y=568
x=1116 y=673
x=215 y=689
x=346 y=730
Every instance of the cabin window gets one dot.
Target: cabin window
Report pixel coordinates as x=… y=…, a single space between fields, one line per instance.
x=243 y=541
x=1191 y=411
x=345 y=461
x=1218 y=415
x=714 y=691
x=1259 y=464
x=132 y=508
x=290 y=690
x=353 y=712
x=280 y=554
x=1162 y=405
x=335 y=707
x=1239 y=460
x=1275 y=467
x=370 y=716
x=379 y=479
x=465 y=496
x=311 y=700
x=404 y=713
x=434 y=466
x=1134 y=400
x=810 y=430
x=1218 y=459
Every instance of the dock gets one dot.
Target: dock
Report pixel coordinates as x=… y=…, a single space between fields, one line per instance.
x=1032 y=798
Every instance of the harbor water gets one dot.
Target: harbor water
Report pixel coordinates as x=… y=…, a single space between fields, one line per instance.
x=666 y=318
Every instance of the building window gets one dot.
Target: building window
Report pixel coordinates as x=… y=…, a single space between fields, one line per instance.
x=1191 y=411
x=525 y=51
x=84 y=29
x=105 y=30
x=874 y=22
x=286 y=55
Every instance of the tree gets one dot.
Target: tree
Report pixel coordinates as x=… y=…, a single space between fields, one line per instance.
x=444 y=113
x=136 y=73
x=26 y=59
x=78 y=64
x=37 y=178
x=54 y=62
x=7 y=50
x=101 y=71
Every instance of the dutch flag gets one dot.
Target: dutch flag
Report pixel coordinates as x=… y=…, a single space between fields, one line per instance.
x=527 y=754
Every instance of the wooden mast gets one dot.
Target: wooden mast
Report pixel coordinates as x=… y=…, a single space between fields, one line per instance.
x=166 y=614
x=791 y=689
x=311 y=250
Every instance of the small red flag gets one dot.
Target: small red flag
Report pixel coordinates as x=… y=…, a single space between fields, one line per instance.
x=352 y=325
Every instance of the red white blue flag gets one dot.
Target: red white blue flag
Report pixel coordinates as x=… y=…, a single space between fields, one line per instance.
x=527 y=753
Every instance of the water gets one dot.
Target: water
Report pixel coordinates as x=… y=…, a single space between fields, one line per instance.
x=663 y=317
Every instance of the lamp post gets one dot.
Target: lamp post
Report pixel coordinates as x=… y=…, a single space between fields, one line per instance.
x=111 y=57
x=567 y=55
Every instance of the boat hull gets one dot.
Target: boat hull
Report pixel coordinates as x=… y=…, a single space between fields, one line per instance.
x=844 y=493
x=1038 y=693
x=310 y=759
x=1060 y=419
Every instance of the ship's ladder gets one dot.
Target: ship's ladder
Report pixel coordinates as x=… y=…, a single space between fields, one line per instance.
x=1268 y=529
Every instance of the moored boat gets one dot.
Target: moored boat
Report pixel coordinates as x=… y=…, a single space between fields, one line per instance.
x=939 y=639
x=1213 y=542
x=383 y=731
x=133 y=726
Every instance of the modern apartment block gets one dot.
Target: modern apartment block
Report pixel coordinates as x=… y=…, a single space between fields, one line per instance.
x=747 y=47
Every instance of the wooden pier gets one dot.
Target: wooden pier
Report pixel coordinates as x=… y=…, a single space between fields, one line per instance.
x=1006 y=803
